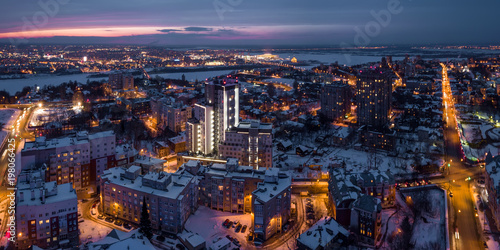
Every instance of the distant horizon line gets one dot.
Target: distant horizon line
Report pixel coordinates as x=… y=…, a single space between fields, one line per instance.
x=256 y=46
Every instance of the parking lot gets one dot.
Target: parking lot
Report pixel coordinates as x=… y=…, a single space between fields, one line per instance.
x=213 y=225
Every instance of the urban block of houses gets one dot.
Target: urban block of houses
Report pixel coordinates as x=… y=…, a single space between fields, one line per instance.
x=324 y=234
x=357 y=199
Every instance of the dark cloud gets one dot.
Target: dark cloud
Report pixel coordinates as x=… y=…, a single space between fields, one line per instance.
x=168 y=30
x=197 y=29
x=423 y=21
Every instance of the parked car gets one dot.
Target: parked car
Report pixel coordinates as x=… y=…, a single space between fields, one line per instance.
x=238 y=228
x=225 y=222
x=118 y=223
x=109 y=219
x=244 y=228
x=100 y=217
x=127 y=226
x=229 y=224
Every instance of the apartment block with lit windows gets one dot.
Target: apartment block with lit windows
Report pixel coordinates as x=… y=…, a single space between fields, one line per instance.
x=251 y=142
x=46 y=213
x=271 y=204
x=373 y=97
x=170 y=197
x=335 y=100
x=228 y=187
x=78 y=159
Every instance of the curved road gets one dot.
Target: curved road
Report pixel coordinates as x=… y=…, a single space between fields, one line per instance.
x=293 y=232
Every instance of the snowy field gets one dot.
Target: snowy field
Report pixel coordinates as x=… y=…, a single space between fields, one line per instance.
x=356 y=161
x=208 y=224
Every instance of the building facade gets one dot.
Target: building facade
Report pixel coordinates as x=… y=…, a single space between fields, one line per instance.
x=121 y=81
x=213 y=118
x=271 y=204
x=335 y=100
x=251 y=142
x=170 y=198
x=228 y=187
x=365 y=218
x=373 y=97
x=78 y=159
x=46 y=213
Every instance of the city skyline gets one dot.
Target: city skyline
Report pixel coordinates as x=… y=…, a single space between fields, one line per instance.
x=221 y=22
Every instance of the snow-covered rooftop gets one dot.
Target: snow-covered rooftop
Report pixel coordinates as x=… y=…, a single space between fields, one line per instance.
x=325 y=233
x=172 y=190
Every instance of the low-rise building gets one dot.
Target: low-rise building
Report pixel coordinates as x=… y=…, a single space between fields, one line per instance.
x=118 y=240
x=492 y=186
x=352 y=195
x=365 y=218
x=170 y=198
x=46 y=213
x=324 y=234
x=271 y=204
x=228 y=187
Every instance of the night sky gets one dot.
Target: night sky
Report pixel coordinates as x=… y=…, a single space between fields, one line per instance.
x=251 y=22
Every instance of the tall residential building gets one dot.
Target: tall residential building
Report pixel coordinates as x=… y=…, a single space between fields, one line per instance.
x=213 y=118
x=170 y=197
x=251 y=142
x=121 y=81
x=374 y=92
x=200 y=130
x=46 y=213
x=79 y=159
x=223 y=95
x=271 y=204
x=215 y=128
x=335 y=100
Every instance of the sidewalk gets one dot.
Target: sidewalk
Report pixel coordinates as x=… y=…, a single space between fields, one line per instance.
x=486 y=222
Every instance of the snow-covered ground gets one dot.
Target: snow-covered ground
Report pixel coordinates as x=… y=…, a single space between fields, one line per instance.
x=429 y=229
x=8 y=117
x=92 y=231
x=208 y=224
x=356 y=161
x=43 y=115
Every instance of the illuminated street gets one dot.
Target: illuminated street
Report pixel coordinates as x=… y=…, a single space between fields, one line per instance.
x=461 y=212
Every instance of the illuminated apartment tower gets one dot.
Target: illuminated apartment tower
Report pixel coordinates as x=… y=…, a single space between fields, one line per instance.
x=374 y=91
x=211 y=119
x=223 y=95
x=200 y=130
